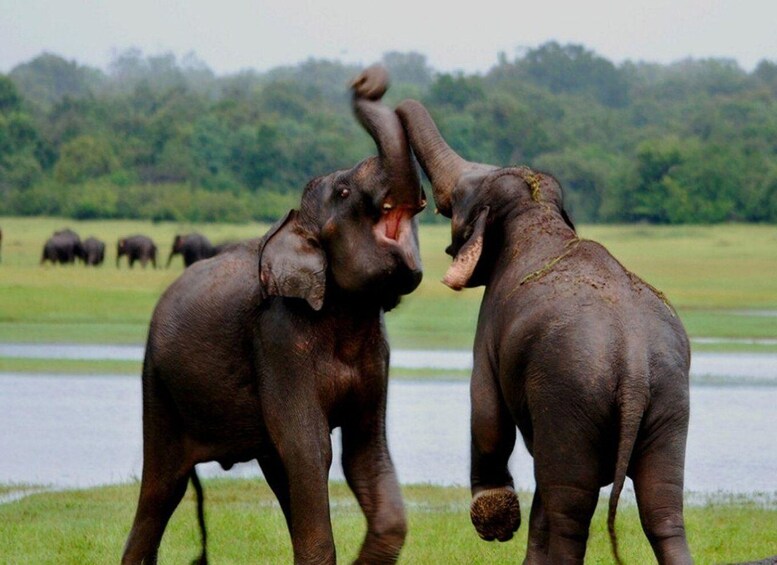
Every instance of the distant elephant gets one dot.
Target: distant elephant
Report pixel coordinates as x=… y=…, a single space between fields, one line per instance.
x=136 y=248
x=93 y=251
x=586 y=359
x=261 y=351
x=63 y=247
x=193 y=247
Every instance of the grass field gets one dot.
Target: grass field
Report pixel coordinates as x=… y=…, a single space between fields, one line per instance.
x=720 y=278
x=245 y=525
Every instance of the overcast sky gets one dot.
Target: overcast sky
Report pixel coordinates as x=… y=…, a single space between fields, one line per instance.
x=230 y=35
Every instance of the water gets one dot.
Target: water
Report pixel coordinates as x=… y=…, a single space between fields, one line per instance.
x=80 y=431
x=743 y=365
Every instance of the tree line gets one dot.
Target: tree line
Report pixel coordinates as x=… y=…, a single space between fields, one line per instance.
x=165 y=138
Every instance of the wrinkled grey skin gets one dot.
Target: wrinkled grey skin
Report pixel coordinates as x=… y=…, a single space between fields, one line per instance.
x=137 y=248
x=193 y=247
x=63 y=247
x=587 y=360
x=260 y=351
x=93 y=251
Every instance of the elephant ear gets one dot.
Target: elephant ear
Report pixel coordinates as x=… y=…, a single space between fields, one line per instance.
x=292 y=263
x=463 y=266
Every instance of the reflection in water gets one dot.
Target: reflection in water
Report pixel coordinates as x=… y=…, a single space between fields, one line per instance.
x=70 y=431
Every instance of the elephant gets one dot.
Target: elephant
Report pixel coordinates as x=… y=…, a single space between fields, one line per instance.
x=63 y=247
x=93 y=251
x=137 y=248
x=587 y=360
x=259 y=352
x=193 y=247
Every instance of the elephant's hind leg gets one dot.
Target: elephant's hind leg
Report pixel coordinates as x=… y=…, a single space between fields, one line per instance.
x=167 y=466
x=160 y=493
x=658 y=484
x=568 y=471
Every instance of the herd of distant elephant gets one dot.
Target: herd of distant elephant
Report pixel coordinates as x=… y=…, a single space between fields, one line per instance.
x=65 y=246
x=261 y=348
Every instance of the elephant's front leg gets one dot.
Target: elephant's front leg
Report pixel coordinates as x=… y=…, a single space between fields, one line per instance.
x=370 y=474
x=300 y=434
x=495 y=511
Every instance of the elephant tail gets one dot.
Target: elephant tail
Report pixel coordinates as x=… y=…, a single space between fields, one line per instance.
x=632 y=401
x=203 y=560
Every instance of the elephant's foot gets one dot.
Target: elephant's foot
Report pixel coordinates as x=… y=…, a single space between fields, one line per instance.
x=495 y=513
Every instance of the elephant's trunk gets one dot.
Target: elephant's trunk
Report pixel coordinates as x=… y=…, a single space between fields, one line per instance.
x=441 y=164
x=384 y=127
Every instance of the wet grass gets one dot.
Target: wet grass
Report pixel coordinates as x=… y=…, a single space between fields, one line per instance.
x=718 y=277
x=245 y=525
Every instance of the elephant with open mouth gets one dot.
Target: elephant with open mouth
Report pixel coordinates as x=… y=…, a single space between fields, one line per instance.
x=588 y=361
x=260 y=351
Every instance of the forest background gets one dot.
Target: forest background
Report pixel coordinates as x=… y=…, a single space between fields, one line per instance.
x=164 y=138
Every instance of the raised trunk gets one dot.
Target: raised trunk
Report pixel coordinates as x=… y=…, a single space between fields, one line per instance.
x=382 y=123
x=441 y=164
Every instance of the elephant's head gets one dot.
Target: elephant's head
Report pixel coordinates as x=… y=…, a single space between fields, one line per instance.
x=355 y=231
x=176 y=248
x=121 y=249
x=480 y=199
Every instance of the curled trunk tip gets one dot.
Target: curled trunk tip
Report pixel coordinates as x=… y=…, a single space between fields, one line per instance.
x=383 y=125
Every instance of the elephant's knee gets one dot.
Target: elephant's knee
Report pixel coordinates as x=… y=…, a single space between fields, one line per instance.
x=385 y=539
x=392 y=530
x=663 y=526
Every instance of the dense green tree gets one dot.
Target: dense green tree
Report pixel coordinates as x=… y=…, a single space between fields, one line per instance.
x=163 y=137
x=83 y=158
x=574 y=69
x=10 y=101
x=456 y=91
x=19 y=142
x=48 y=78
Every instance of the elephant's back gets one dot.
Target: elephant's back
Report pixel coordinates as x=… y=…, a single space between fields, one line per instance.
x=590 y=308
x=219 y=288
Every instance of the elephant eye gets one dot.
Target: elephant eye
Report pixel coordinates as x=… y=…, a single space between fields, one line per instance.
x=344 y=192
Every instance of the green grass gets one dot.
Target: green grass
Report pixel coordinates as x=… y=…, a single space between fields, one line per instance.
x=69 y=366
x=715 y=276
x=245 y=525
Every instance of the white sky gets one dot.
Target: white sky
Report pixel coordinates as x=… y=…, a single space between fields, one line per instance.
x=230 y=35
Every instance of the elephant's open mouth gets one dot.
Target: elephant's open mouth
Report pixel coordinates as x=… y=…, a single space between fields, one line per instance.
x=395 y=232
x=391 y=220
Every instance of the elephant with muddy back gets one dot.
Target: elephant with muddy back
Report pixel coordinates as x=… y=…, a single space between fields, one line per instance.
x=137 y=248
x=586 y=359
x=64 y=247
x=259 y=352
